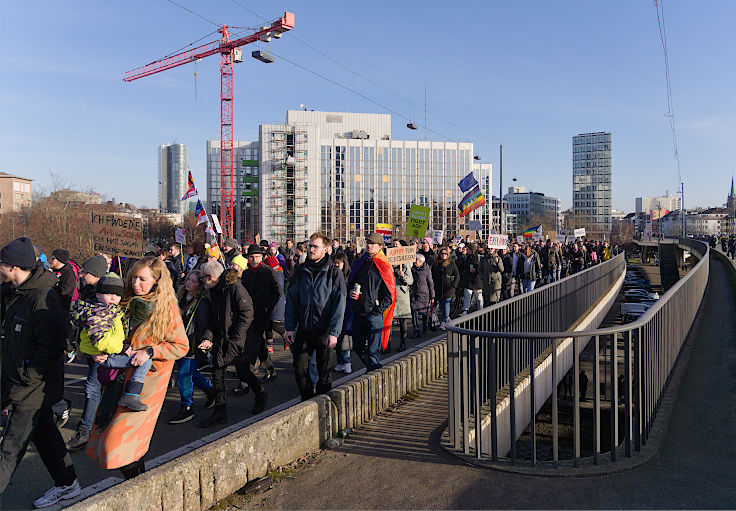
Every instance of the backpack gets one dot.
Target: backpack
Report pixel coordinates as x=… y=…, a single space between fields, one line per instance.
x=75 y=268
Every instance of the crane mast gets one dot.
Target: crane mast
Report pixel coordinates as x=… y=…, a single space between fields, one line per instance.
x=229 y=54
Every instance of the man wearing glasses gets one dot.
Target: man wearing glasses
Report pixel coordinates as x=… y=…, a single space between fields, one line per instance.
x=315 y=307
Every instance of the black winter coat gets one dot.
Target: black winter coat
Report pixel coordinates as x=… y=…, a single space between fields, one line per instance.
x=422 y=289
x=67 y=281
x=34 y=343
x=230 y=317
x=195 y=315
x=470 y=277
x=446 y=280
x=264 y=291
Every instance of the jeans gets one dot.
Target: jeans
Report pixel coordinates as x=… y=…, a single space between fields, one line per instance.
x=527 y=285
x=551 y=275
x=122 y=361
x=305 y=343
x=35 y=425
x=468 y=296
x=420 y=321
x=187 y=377
x=92 y=396
x=368 y=329
x=445 y=304
x=342 y=350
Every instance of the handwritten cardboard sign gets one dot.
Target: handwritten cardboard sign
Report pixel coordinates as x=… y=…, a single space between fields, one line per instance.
x=117 y=234
x=438 y=236
x=579 y=233
x=401 y=255
x=418 y=221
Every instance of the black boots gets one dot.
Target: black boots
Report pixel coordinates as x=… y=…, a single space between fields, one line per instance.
x=260 y=404
x=218 y=417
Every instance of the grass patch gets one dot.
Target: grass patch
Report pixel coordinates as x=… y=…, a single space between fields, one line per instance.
x=281 y=473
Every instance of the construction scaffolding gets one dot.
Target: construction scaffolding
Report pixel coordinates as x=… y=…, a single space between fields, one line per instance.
x=287 y=197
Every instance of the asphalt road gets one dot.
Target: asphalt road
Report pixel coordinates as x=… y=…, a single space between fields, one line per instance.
x=31 y=479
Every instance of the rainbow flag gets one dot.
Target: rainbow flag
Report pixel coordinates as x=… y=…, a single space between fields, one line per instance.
x=472 y=201
x=531 y=231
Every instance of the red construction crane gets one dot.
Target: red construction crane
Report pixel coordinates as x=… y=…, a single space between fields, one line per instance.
x=229 y=54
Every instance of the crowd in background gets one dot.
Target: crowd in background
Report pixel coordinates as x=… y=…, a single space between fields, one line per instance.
x=200 y=309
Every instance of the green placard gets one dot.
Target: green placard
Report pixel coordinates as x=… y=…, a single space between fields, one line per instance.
x=418 y=221
x=250 y=193
x=250 y=163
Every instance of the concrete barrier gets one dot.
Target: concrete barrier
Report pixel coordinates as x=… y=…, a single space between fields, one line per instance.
x=199 y=479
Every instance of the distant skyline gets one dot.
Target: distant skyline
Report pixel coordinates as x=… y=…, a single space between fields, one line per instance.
x=527 y=75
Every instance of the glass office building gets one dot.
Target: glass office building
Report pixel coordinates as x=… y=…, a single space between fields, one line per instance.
x=173 y=165
x=591 y=183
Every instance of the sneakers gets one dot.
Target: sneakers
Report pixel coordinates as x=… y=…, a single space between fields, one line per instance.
x=58 y=493
x=185 y=414
x=464 y=313
x=270 y=375
x=344 y=368
x=70 y=356
x=78 y=441
x=443 y=326
x=269 y=345
x=240 y=390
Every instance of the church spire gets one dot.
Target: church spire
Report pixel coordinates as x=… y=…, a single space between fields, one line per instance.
x=732 y=194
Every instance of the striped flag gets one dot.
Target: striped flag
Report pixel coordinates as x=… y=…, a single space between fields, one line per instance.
x=472 y=201
x=200 y=213
x=191 y=190
x=531 y=231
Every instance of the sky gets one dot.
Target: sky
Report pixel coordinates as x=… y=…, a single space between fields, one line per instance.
x=529 y=75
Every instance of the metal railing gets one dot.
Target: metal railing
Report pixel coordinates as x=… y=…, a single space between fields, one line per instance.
x=518 y=344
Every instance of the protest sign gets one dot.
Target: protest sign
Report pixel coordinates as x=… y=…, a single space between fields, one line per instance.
x=418 y=221
x=579 y=233
x=117 y=234
x=385 y=230
x=401 y=255
x=562 y=238
x=359 y=243
x=475 y=225
x=216 y=221
x=498 y=241
x=438 y=236
x=181 y=236
x=465 y=232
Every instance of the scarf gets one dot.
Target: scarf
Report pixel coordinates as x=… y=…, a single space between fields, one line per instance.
x=139 y=310
x=316 y=266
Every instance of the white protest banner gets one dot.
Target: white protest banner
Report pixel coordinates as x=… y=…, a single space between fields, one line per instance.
x=498 y=241
x=562 y=238
x=117 y=234
x=579 y=233
x=401 y=255
x=438 y=236
x=215 y=221
x=181 y=236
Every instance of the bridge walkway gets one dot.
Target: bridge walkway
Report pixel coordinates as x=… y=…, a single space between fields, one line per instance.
x=395 y=461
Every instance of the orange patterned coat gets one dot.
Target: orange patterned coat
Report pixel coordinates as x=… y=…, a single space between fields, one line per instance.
x=127 y=437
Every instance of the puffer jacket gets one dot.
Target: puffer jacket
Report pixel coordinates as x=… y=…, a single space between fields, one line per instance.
x=315 y=299
x=403 y=290
x=33 y=347
x=494 y=270
x=422 y=289
x=230 y=317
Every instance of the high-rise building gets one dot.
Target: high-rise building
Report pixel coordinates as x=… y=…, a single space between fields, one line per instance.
x=591 y=183
x=341 y=173
x=246 y=208
x=173 y=165
x=663 y=204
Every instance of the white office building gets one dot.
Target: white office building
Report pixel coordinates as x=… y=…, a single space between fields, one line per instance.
x=532 y=207
x=660 y=205
x=173 y=165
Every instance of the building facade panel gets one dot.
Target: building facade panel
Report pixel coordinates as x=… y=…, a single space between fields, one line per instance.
x=591 y=182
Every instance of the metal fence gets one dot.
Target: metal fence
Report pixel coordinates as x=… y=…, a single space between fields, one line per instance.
x=497 y=348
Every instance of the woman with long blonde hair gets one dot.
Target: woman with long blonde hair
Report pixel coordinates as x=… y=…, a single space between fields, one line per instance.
x=156 y=331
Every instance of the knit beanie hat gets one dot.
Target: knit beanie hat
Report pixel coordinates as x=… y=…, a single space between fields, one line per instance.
x=96 y=266
x=110 y=284
x=19 y=252
x=232 y=243
x=61 y=255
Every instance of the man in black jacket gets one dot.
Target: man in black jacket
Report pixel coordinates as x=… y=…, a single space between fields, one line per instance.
x=33 y=371
x=231 y=315
x=260 y=282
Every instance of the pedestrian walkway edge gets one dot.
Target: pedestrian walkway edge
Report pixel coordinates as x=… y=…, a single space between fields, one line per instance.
x=199 y=479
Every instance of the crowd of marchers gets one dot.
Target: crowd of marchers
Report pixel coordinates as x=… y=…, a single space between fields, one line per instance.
x=138 y=323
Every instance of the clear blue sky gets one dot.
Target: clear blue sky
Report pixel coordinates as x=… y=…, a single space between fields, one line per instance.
x=528 y=75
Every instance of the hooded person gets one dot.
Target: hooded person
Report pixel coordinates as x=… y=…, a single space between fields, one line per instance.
x=372 y=298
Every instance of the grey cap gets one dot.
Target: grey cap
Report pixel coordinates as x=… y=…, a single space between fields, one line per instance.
x=96 y=266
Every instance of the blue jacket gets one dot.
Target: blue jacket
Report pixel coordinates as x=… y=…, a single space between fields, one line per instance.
x=316 y=302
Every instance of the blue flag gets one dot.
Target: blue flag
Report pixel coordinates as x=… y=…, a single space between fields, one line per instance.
x=467 y=183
